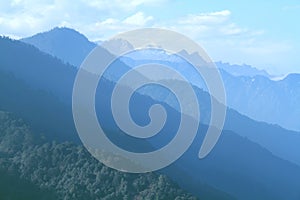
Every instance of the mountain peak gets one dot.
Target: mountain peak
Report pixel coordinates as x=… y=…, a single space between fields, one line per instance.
x=292 y=78
x=242 y=70
x=56 y=33
x=64 y=43
x=65 y=30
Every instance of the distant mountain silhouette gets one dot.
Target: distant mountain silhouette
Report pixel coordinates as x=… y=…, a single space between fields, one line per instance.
x=248 y=90
x=41 y=70
x=242 y=70
x=235 y=158
x=63 y=43
x=40 y=90
x=276 y=102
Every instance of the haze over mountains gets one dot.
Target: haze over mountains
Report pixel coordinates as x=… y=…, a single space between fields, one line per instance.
x=247 y=88
x=63 y=43
x=242 y=70
x=252 y=160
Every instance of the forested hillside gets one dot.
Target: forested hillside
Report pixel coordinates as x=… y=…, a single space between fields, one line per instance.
x=68 y=170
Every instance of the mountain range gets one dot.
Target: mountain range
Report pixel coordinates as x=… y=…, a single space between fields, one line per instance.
x=247 y=88
x=252 y=160
x=59 y=42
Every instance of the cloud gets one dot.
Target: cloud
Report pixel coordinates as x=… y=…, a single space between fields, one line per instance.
x=138 y=19
x=206 y=18
x=26 y=17
x=216 y=31
x=112 y=26
x=101 y=19
x=221 y=36
x=208 y=25
x=228 y=41
x=121 y=5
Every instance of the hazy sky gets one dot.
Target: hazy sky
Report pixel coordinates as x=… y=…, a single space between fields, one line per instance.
x=265 y=34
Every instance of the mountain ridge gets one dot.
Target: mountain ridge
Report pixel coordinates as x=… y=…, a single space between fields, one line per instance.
x=38 y=84
x=59 y=42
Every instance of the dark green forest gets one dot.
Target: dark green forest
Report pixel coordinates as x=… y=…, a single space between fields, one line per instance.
x=36 y=169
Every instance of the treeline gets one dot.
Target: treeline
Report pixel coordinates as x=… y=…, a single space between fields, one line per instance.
x=70 y=171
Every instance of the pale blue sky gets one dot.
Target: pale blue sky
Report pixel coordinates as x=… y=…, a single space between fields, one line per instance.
x=264 y=34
